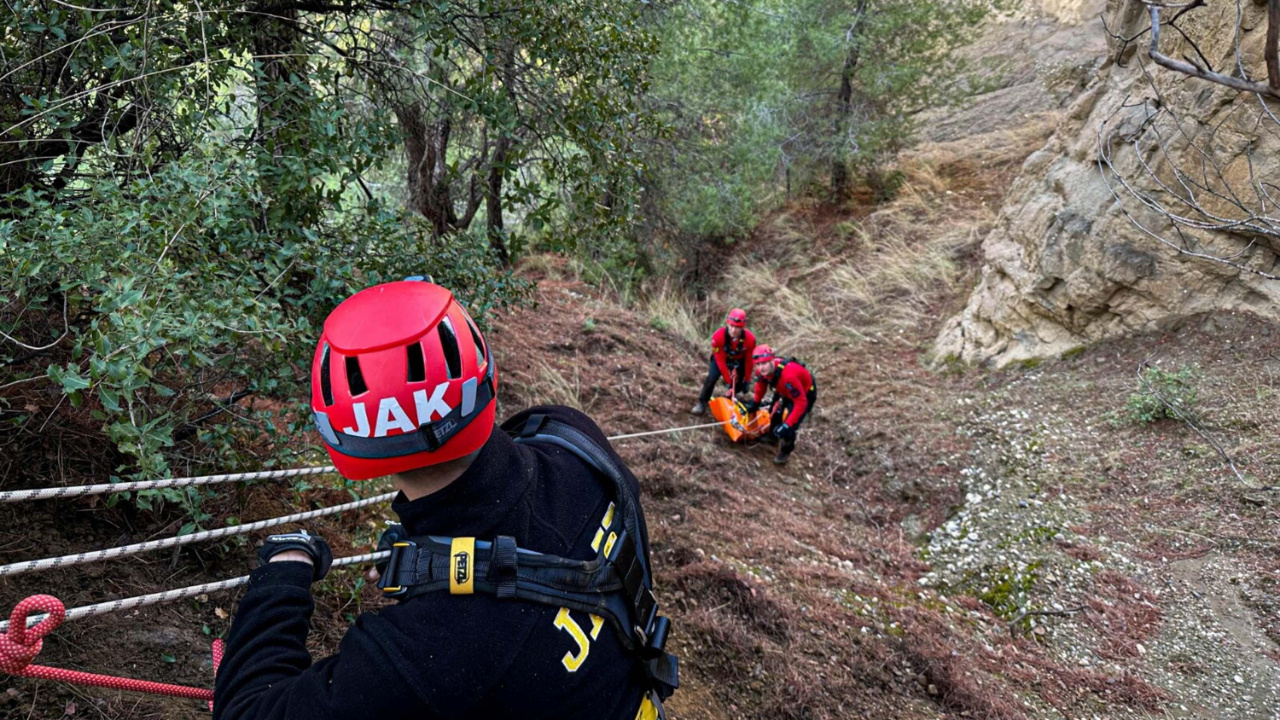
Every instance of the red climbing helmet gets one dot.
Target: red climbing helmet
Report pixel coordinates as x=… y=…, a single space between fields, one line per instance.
x=762 y=354
x=401 y=379
x=737 y=318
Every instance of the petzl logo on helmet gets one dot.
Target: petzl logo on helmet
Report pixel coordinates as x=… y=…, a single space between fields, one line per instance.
x=393 y=417
x=445 y=427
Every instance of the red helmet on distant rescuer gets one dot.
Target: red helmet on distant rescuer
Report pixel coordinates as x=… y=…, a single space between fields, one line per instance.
x=737 y=318
x=401 y=379
x=763 y=354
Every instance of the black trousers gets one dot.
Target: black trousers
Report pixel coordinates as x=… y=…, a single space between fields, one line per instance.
x=781 y=405
x=713 y=377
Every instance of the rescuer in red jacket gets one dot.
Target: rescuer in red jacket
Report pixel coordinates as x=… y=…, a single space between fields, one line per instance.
x=731 y=349
x=794 y=395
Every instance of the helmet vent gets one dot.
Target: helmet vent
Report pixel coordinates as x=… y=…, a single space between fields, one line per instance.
x=475 y=336
x=449 y=342
x=355 y=380
x=417 y=368
x=326 y=384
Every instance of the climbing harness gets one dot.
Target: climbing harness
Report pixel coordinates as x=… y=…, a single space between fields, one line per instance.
x=616 y=585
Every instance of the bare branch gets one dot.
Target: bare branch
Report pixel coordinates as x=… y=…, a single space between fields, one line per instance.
x=1068 y=612
x=1194 y=70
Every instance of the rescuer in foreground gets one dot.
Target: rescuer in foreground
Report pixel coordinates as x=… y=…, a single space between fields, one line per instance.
x=794 y=395
x=521 y=562
x=731 y=348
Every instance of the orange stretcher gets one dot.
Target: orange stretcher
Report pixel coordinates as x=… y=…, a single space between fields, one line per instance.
x=738 y=423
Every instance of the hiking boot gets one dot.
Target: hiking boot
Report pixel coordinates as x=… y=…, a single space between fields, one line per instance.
x=783 y=454
x=700 y=408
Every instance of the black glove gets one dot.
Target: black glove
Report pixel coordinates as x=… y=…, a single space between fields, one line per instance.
x=785 y=432
x=752 y=406
x=393 y=534
x=313 y=545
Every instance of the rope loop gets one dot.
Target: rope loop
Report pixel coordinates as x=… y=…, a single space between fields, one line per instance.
x=20 y=645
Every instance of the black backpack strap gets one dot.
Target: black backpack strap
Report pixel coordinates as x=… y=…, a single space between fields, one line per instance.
x=617 y=585
x=633 y=560
x=630 y=557
x=465 y=566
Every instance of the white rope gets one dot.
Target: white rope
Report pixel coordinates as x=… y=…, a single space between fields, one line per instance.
x=663 y=432
x=179 y=593
x=9 y=496
x=194 y=590
x=84 y=557
x=125 y=550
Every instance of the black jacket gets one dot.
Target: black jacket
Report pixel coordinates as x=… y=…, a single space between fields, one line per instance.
x=440 y=655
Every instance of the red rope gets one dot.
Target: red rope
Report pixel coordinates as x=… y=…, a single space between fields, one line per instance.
x=21 y=645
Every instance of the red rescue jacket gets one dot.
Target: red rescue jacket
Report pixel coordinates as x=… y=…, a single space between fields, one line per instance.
x=792 y=381
x=726 y=350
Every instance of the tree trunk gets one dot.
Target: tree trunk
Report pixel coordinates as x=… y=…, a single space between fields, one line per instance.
x=283 y=101
x=493 y=201
x=844 y=108
x=844 y=103
x=426 y=147
x=498 y=168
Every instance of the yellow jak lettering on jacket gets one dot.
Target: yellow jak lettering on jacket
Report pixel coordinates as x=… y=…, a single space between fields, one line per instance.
x=564 y=621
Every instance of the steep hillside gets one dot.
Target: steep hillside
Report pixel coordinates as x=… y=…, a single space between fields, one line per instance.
x=1029 y=543
x=877 y=575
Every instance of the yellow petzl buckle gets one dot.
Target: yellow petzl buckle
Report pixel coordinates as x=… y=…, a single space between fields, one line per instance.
x=462 y=561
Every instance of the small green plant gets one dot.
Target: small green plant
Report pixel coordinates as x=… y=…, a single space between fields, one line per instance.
x=1163 y=394
x=1007 y=588
x=589 y=325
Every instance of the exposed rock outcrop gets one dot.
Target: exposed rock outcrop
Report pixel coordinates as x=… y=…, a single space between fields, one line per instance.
x=1075 y=257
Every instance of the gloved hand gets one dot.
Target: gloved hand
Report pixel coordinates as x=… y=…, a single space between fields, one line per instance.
x=313 y=546
x=393 y=534
x=752 y=406
x=785 y=432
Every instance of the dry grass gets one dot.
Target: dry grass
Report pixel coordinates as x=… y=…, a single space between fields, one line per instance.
x=789 y=314
x=670 y=310
x=817 y=285
x=546 y=265
x=552 y=266
x=544 y=384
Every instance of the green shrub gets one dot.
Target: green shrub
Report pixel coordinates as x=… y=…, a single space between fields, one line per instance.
x=1163 y=395
x=159 y=298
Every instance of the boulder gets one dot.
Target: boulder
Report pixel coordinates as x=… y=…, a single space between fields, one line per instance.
x=1077 y=255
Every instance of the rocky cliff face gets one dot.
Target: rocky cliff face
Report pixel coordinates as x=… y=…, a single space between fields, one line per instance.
x=1079 y=254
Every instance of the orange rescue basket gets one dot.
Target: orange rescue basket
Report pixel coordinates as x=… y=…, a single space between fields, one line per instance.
x=738 y=423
